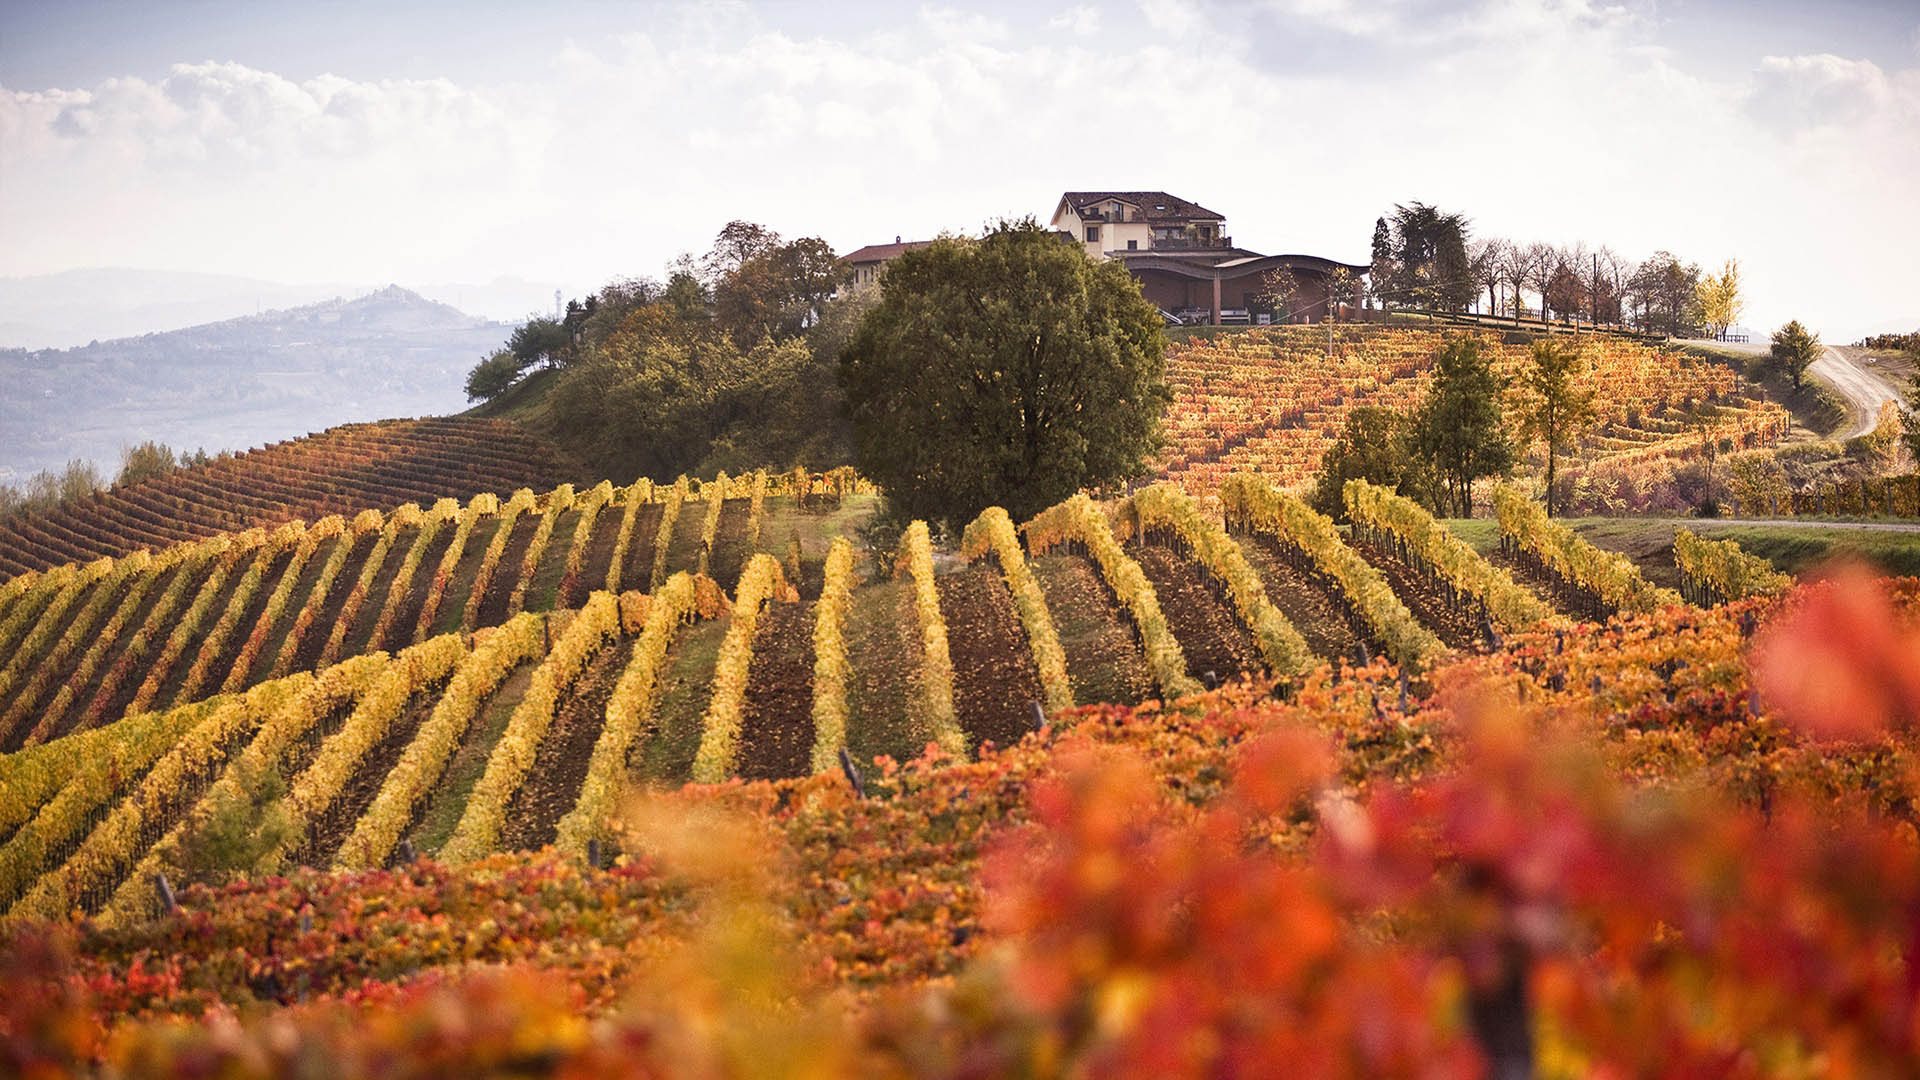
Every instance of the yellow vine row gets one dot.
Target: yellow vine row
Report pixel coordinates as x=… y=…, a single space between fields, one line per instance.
x=496 y=654
x=636 y=496
x=628 y=715
x=716 y=496
x=407 y=516
x=518 y=503
x=55 y=797
x=188 y=628
x=762 y=582
x=115 y=842
x=663 y=536
x=1251 y=504
x=830 y=667
x=1609 y=576
x=558 y=502
x=44 y=590
x=931 y=706
x=384 y=631
x=1079 y=521
x=1716 y=571
x=126 y=578
x=384 y=703
x=590 y=507
x=234 y=792
x=13 y=589
x=279 y=542
x=992 y=533
x=92 y=579
x=478 y=832
x=101 y=645
x=134 y=657
x=1165 y=506
x=1425 y=539
x=367 y=521
x=484 y=505
x=327 y=528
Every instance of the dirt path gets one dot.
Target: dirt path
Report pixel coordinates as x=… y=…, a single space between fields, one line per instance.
x=776 y=731
x=994 y=680
x=1864 y=390
x=1209 y=632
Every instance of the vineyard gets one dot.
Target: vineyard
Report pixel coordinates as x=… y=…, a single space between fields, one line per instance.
x=977 y=907
x=88 y=644
x=528 y=755
x=338 y=471
x=1271 y=401
x=464 y=680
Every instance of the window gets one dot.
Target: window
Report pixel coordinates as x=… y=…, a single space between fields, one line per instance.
x=1093 y=234
x=1133 y=245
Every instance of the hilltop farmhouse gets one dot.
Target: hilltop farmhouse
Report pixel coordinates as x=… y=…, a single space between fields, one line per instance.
x=1186 y=262
x=1181 y=254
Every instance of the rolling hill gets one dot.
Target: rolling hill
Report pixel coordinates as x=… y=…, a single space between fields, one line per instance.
x=238 y=383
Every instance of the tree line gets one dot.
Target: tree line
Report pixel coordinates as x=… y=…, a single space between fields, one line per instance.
x=1461 y=432
x=1427 y=258
x=727 y=363
x=79 y=478
x=1008 y=369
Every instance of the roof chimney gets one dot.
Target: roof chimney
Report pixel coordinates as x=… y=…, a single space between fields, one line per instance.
x=896 y=238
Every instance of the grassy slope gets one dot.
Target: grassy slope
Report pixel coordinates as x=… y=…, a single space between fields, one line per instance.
x=1816 y=407
x=1792 y=548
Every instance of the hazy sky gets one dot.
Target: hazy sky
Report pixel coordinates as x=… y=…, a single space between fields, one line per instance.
x=578 y=142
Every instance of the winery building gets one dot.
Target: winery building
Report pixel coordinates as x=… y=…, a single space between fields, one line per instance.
x=1189 y=266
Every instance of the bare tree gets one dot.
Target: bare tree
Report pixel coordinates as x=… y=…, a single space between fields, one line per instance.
x=1516 y=270
x=1610 y=281
x=1279 y=288
x=1488 y=258
x=1541 y=261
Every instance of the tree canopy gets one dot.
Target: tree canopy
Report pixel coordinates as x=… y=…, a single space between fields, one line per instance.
x=1458 y=429
x=1558 y=406
x=727 y=365
x=1375 y=446
x=1009 y=370
x=1423 y=260
x=1718 y=298
x=1795 y=348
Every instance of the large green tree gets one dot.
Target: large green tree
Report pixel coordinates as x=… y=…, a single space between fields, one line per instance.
x=1795 y=348
x=1374 y=446
x=1558 y=408
x=1430 y=254
x=1666 y=294
x=1009 y=370
x=1458 y=431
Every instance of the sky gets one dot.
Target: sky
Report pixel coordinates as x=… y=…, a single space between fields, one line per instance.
x=581 y=142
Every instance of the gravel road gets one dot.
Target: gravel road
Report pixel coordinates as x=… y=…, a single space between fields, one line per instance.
x=1864 y=390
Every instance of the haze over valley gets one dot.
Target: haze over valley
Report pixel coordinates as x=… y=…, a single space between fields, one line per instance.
x=240 y=382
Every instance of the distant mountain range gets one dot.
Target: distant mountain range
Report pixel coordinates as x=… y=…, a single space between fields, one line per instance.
x=240 y=382
x=76 y=307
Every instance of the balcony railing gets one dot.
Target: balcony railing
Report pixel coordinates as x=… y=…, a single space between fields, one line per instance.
x=1192 y=243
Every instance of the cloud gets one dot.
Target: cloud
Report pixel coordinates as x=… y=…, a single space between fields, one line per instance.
x=1174 y=18
x=1080 y=21
x=1794 y=93
x=1555 y=120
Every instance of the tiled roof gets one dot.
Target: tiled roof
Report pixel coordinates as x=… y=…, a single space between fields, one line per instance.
x=874 y=253
x=1153 y=205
